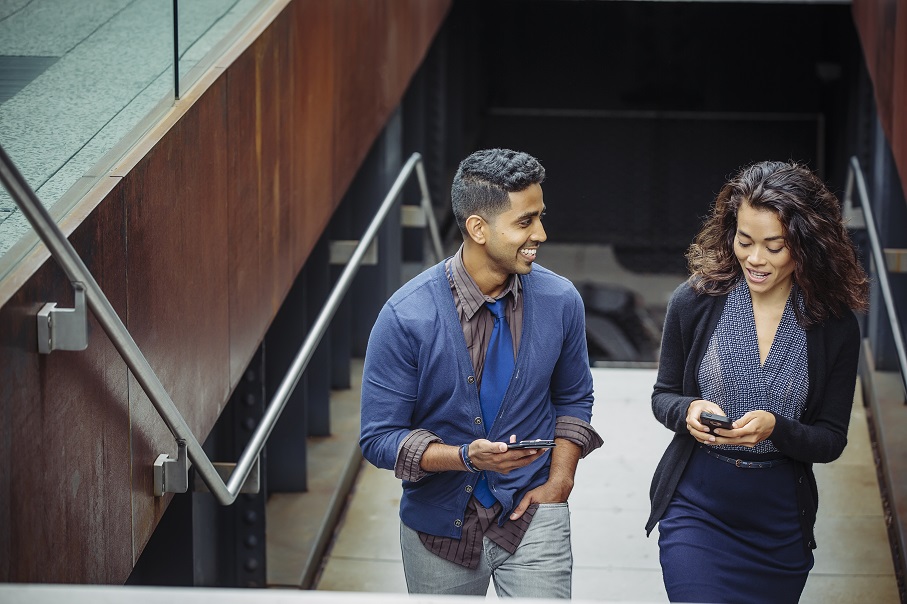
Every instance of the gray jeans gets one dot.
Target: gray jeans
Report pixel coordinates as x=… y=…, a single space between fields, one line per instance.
x=542 y=566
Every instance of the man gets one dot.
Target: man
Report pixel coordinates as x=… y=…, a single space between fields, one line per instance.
x=447 y=384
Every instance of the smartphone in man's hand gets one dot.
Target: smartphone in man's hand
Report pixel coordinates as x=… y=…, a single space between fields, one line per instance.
x=532 y=444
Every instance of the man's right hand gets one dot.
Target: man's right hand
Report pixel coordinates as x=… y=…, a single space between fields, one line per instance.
x=483 y=454
x=496 y=457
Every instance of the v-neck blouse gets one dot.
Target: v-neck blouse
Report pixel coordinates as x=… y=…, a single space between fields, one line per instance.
x=732 y=375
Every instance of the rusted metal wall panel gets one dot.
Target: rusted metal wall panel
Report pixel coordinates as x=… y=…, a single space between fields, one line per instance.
x=65 y=513
x=882 y=26
x=178 y=249
x=898 y=136
x=314 y=107
x=360 y=59
x=261 y=135
x=196 y=246
x=377 y=47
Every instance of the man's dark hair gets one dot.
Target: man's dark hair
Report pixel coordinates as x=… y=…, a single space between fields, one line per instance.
x=484 y=179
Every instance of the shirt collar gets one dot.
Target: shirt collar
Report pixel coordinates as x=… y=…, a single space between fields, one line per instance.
x=471 y=297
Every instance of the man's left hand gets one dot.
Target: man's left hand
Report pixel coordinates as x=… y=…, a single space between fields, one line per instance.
x=550 y=492
x=564 y=458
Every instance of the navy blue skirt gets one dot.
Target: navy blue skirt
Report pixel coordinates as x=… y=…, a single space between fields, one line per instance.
x=733 y=534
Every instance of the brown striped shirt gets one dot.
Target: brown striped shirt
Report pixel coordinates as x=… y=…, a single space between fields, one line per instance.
x=478 y=521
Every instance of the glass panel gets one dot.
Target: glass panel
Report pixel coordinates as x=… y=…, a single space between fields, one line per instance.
x=206 y=25
x=81 y=81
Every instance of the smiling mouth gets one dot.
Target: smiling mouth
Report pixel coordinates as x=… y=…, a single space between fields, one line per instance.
x=756 y=275
x=529 y=252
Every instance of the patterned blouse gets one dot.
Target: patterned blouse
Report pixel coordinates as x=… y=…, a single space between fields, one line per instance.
x=733 y=376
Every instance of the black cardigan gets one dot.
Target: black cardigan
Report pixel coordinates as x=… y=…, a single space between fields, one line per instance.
x=819 y=436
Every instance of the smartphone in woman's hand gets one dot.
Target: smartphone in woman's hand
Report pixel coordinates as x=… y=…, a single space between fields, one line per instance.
x=713 y=420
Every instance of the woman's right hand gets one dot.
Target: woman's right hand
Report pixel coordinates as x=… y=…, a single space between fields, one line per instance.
x=697 y=430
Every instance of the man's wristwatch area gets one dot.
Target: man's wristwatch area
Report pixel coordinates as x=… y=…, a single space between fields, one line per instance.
x=464 y=456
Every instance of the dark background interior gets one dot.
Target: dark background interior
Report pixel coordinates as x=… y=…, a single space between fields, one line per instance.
x=640 y=110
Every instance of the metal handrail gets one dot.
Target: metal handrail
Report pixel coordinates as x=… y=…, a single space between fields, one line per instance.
x=282 y=395
x=75 y=269
x=855 y=175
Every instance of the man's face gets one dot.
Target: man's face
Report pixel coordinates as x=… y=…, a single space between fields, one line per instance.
x=513 y=236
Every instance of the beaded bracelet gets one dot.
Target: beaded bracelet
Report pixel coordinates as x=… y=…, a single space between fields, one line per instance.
x=464 y=456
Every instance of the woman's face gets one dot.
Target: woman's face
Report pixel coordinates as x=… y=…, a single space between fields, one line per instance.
x=762 y=252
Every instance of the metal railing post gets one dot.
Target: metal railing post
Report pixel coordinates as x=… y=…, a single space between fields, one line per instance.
x=429 y=212
x=319 y=327
x=855 y=176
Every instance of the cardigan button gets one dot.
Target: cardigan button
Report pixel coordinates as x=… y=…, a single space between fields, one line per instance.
x=812 y=544
x=800 y=480
x=469 y=488
x=471 y=379
x=458 y=522
x=478 y=421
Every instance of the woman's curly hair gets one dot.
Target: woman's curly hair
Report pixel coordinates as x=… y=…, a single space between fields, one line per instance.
x=827 y=269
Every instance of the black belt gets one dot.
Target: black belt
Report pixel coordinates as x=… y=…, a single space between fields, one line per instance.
x=742 y=463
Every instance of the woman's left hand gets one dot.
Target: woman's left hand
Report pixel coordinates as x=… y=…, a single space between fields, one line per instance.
x=751 y=429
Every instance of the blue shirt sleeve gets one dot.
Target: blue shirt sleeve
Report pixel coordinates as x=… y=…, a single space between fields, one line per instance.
x=571 y=381
x=389 y=387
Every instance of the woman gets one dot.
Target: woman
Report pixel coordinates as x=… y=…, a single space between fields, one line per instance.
x=762 y=332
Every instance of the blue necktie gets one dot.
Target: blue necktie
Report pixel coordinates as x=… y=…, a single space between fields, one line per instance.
x=495 y=379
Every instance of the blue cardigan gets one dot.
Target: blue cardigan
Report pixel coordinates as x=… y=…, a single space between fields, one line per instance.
x=819 y=436
x=418 y=374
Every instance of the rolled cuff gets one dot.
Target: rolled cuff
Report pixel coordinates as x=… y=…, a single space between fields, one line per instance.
x=409 y=457
x=578 y=432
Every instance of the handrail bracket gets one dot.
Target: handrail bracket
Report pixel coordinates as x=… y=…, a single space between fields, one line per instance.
x=171 y=475
x=64 y=328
